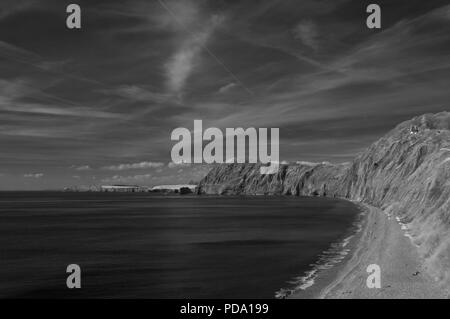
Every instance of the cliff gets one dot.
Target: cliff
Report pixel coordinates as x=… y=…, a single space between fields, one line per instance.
x=405 y=173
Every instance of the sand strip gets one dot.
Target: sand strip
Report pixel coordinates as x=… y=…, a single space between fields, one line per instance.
x=382 y=242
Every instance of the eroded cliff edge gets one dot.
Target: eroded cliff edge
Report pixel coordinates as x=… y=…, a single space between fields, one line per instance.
x=405 y=173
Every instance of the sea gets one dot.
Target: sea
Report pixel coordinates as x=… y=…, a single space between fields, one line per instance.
x=142 y=245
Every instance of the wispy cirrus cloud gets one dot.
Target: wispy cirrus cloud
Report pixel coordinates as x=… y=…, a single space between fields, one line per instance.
x=194 y=31
x=141 y=165
x=177 y=165
x=16 y=93
x=227 y=87
x=33 y=175
x=136 y=93
x=307 y=32
x=83 y=168
x=141 y=178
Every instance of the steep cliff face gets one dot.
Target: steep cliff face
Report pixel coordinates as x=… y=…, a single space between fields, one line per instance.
x=406 y=173
x=301 y=179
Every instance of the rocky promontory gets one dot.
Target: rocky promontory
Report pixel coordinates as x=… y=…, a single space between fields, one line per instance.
x=405 y=173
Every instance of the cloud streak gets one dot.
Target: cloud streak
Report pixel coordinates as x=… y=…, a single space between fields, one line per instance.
x=187 y=55
x=33 y=175
x=307 y=32
x=141 y=165
x=83 y=168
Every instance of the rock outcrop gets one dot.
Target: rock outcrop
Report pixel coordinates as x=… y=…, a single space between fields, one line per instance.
x=406 y=173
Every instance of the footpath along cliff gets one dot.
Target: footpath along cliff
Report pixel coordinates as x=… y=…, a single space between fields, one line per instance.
x=406 y=173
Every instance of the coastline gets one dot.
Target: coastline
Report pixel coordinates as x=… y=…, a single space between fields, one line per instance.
x=381 y=241
x=325 y=271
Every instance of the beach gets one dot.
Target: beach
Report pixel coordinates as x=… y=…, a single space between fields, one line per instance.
x=382 y=241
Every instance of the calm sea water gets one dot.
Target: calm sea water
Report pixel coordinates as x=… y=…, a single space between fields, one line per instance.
x=140 y=245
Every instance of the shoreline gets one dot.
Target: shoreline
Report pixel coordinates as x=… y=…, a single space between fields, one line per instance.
x=383 y=241
x=340 y=253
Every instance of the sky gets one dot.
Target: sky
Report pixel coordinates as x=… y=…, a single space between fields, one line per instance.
x=97 y=105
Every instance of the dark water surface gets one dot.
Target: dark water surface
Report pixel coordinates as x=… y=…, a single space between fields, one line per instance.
x=140 y=245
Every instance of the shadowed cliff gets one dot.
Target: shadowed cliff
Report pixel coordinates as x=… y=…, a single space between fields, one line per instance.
x=406 y=173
